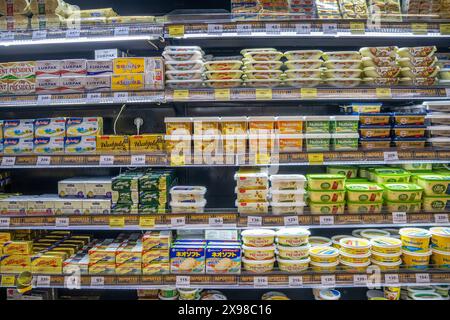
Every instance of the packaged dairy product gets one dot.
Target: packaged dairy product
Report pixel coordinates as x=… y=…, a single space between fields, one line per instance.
x=258 y=237
x=73 y=67
x=90 y=126
x=98 y=83
x=21 y=70
x=23 y=128
x=147 y=142
x=68 y=205
x=22 y=86
x=48 y=68
x=128 y=82
x=48 y=145
x=223 y=258
x=72 y=84
x=50 y=127
x=113 y=143
x=99 y=67
x=80 y=144
x=4 y=87
x=187 y=259
x=48 y=85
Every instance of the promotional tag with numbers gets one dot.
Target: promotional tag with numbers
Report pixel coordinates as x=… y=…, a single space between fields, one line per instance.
x=328 y=280
x=216 y=222
x=441 y=218
x=291 y=221
x=147 y=222
x=244 y=29
x=326 y=220
x=183 y=282
x=93 y=97
x=391 y=279
x=360 y=279
x=106 y=160
x=62 y=222
x=97 y=281
x=73 y=33
x=260 y=282
x=39 y=35
x=391 y=156
x=138 y=160
x=178 y=222
x=253 y=221
x=329 y=28
x=43 y=161
x=8 y=161
x=5 y=222
x=399 y=217
x=304 y=28
x=43 y=281
x=215 y=29
x=295 y=281
x=273 y=28
x=121 y=31
x=8 y=281
x=422 y=278
x=44 y=99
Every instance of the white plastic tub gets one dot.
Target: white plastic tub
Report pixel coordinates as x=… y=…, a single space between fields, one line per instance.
x=252 y=207
x=184 y=75
x=287 y=182
x=188 y=193
x=188 y=207
x=252 y=179
x=184 y=65
x=285 y=208
x=289 y=196
x=249 y=195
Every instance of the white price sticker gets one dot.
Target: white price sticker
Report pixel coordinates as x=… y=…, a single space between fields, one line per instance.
x=216 y=222
x=93 y=97
x=120 y=96
x=447 y=92
x=244 y=29
x=43 y=161
x=328 y=280
x=8 y=161
x=253 y=221
x=260 y=282
x=360 y=279
x=6 y=36
x=329 y=28
x=121 y=31
x=72 y=282
x=44 y=100
x=178 y=222
x=106 y=160
x=5 y=222
x=390 y=156
x=326 y=220
x=73 y=33
x=304 y=28
x=97 y=281
x=441 y=218
x=138 y=160
x=215 y=29
x=422 y=278
x=391 y=279
x=273 y=28
x=291 y=221
x=43 y=281
x=399 y=217
x=183 y=282
x=295 y=281
x=62 y=222
x=39 y=35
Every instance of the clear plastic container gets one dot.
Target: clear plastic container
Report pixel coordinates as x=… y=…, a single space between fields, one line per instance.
x=184 y=75
x=289 y=196
x=188 y=207
x=249 y=195
x=253 y=179
x=252 y=207
x=184 y=65
x=285 y=208
x=287 y=182
x=187 y=193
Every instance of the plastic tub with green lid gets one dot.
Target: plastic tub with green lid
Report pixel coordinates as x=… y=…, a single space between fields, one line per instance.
x=326 y=196
x=391 y=175
x=434 y=184
x=408 y=207
x=349 y=172
x=364 y=192
x=402 y=192
x=326 y=181
x=364 y=207
x=436 y=204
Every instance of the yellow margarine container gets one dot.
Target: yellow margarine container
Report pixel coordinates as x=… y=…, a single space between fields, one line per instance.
x=440 y=238
x=352 y=258
x=258 y=266
x=293 y=237
x=355 y=246
x=392 y=293
x=387 y=258
x=386 y=245
x=440 y=258
x=415 y=239
x=385 y=266
x=359 y=267
x=258 y=237
x=293 y=253
x=338 y=238
x=324 y=267
x=417 y=260
x=320 y=241
x=373 y=233
x=293 y=265
x=259 y=253
x=324 y=254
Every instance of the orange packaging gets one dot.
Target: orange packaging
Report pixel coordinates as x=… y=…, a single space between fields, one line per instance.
x=290 y=125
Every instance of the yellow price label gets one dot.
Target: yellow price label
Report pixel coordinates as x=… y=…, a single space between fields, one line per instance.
x=263 y=158
x=384 y=92
x=177 y=160
x=308 y=93
x=147 y=222
x=419 y=28
x=222 y=94
x=357 y=27
x=8 y=281
x=445 y=28
x=117 y=222
x=176 y=31
x=315 y=158
x=264 y=94
x=180 y=95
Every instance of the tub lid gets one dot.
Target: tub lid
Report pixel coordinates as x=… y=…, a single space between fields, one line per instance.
x=433 y=177
x=426 y=296
x=247 y=63
x=272 y=247
x=402 y=187
x=182 y=48
x=325 y=176
x=386 y=242
x=387 y=264
x=319 y=241
x=355 y=265
x=317 y=118
x=258 y=233
x=415 y=232
x=199 y=81
x=287 y=204
x=363 y=187
x=198 y=190
x=245 y=260
x=324 y=251
x=355 y=242
x=324 y=265
x=250 y=174
x=287 y=177
x=318 y=136
x=303 y=51
x=174 y=119
x=329 y=294
x=224 y=61
x=184 y=62
x=293 y=232
x=304 y=247
x=297 y=191
x=436 y=250
x=414 y=289
x=440 y=231
x=374 y=233
x=345 y=135
x=338 y=237
x=198 y=204
x=244 y=51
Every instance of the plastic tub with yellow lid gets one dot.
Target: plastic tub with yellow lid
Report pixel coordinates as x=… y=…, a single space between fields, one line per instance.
x=293 y=265
x=354 y=267
x=324 y=267
x=417 y=259
x=335 y=239
x=415 y=239
x=353 y=258
x=386 y=245
x=292 y=237
x=355 y=246
x=329 y=294
x=384 y=266
x=440 y=258
x=440 y=238
x=324 y=254
x=258 y=266
x=258 y=237
x=387 y=258
x=320 y=241
x=293 y=253
x=259 y=253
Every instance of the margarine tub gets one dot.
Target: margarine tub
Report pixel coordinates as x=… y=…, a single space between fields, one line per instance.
x=293 y=253
x=315 y=241
x=328 y=294
x=290 y=125
x=252 y=207
x=348 y=172
x=415 y=239
x=287 y=182
x=402 y=192
x=318 y=142
x=408 y=206
x=324 y=267
x=374 y=52
x=292 y=237
x=249 y=195
x=416 y=260
x=355 y=246
x=387 y=266
x=364 y=192
x=386 y=175
x=354 y=267
x=251 y=179
x=222 y=65
x=317 y=124
x=375 y=119
x=440 y=238
x=303 y=64
x=187 y=193
x=188 y=207
x=321 y=196
x=189 y=294
x=322 y=254
x=326 y=181
x=426 y=296
x=286 y=208
x=342 y=55
x=373 y=233
x=379 y=62
x=258 y=266
x=327 y=208
x=379 y=132
x=303 y=55
x=427 y=51
x=354 y=258
x=273 y=295
x=259 y=253
x=293 y=265
x=258 y=237
x=434 y=184
x=386 y=258
x=440 y=258
x=336 y=239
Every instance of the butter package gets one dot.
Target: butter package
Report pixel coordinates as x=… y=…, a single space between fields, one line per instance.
x=48 y=85
x=4 y=87
x=102 y=268
x=156 y=181
x=129 y=65
x=187 y=259
x=113 y=144
x=74 y=187
x=99 y=83
x=18 y=128
x=91 y=126
x=126 y=182
x=104 y=253
x=73 y=84
x=15 y=205
x=80 y=145
x=155 y=255
x=21 y=70
x=128 y=268
x=223 y=259
x=41 y=206
x=18 y=145
x=47 y=264
x=68 y=206
x=48 y=145
x=5 y=237
x=98 y=188
x=148 y=143
x=97 y=206
x=50 y=127
x=96 y=67
x=125 y=197
x=152 y=198
x=128 y=82
x=22 y=86
x=73 y=67
x=76 y=264
x=155 y=268
x=15 y=263
x=124 y=209
x=156 y=240
x=18 y=247
x=129 y=254
x=48 y=68
x=4 y=67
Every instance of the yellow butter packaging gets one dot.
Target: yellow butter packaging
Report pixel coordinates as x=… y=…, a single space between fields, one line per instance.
x=147 y=143
x=47 y=264
x=133 y=268
x=129 y=65
x=102 y=268
x=155 y=268
x=5 y=237
x=104 y=253
x=113 y=143
x=23 y=128
x=15 y=263
x=155 y=255
x=80 y=145
x=97 y=206
x=88 y=126
x=18 y=247
x=156 y=240
x=129 y=254
x=128 y=82
x=50 y=127
x=68 y=206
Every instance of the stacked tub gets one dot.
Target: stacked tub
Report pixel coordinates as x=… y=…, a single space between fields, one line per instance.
x=326 y=193
x=223 y=72
x=287 y=194
x=419 y=66
x=262 y=67
x=438 y=118
x=380 y=66
x=188 y=199
x=184 y=67
x=304 y=68
x=252 y=188
x=354 y=254
x=292 y=248
x=342 y=68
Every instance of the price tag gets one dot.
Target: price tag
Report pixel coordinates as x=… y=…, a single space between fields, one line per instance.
x=253 y=221
x=422 y=278
x=304 y=28
x=43 y=281
x=180 y=95
x=121 y=31
x=216 y=222
x=62 y=222
x=308 y=93
x=39 y=35
x=93 y=97
x=360 y=279
x=326 y=220
x=391 y=279
x=5 y=222
x=357 y=27
x=183 y=281
x=116 y=222
x=329 y=28
x=244 y=29
x=177 y=160
x=383 y=92
x=138 y=160
x=97 y=281
x=444 y=28
x=328 y=280
x=6 y=36
x=263 y=94
x=43 y=161
x=447 y=92
x=295 y=281
x=8 y=161
x=441 y=218
x=178 y=222
x=106 y=160
x=222 y=94
x=291 y=221
x=215 y=29
x=273 y=28
x=315 y=158
x=390 y=156
x=8 y=281
x=419 y=28
x=120 y=96
x=147 y=222
x=73 y=33
x=176 y=31
x=44 y=100
x=72 y=282
x=260 y=282
x=399 y=217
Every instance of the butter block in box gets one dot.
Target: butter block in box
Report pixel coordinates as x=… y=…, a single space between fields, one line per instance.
x=13 y=146
x=73 y=67
x=23 y=128
x=74 y=187
x=99 y=83
x=41 y=205
x=3 y=86
x=21 y=70
x=128 y=82
x=147 y=143
x=15 y=205
x=98 y=187
x=48 y=85
x=80 y=145
x=48 y=145
x=22 y=86
x=113 y=144
x=96 y=67
x=138 y=65
x=68 y=206
x=50 y=127
x=73 y=84
x=15 y=263
x=88 y=126
x=48 y=68
x=47 y=264
x=96 y=206
x=18 y=247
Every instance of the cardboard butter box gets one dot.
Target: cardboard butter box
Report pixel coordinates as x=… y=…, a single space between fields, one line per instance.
x=148 y=143
x=73 y=67
x=125 y=197
x=48 y=85
x=18 y=145
x=23 y=128
x=4 y=89
x=48 y=68
x=89 y=126
x=41 y=206
x=113 y=143
x=126 y=182
x=21 y=70
x=50 y=127
x=47 y=263
x=22 y=86
x=99 y=67
x=15 y=263
x=74 y=187
x=80 y=145
x=104 y=253
x=48 y=145
x=68 y=206
x=15 y=205
x=18 y=247
x=98 y=83
x=97 y=206
x=129 y=253
x=98 y=188
x=102 y=268
x=130 y=268
x=72 y=84
x=128 y=82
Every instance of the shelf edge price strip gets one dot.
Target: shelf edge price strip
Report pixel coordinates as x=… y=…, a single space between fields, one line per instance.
x=178 y=222
x=62 y=222
x=326 y=220
x=43 y=281
x=147 y=222
x=304 y=28
x=39 y=35
x=308 y=93
x=244 y=29
x=183 y=281
x=43 y=161
x=116 y=222
x=360 y=279
x=253 y=221
x=390 y=156
x=291 y=221
x=328 y=280
x=295 y=281
x=315 y=158
x=399 y=217
x=215 y=29
x=419 y=28
x=5 y=222
x=97 y=282
x=383 y=93
x=138 y=160
x=8 y=281
x=260 y=282
x=215 y=222
x=422 y=278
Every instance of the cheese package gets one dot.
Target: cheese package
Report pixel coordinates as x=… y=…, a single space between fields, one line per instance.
x=22 y=86
x=23 y=128
x=50 y=127
x=147 y=143
x=128 y=82
x=90 y=126
x=21 y=70
x=18 y=145
x=96 y=67
x=48 y=85
x=48 y=68
x=113 y=143
x=73 y=67
x=48 y=145
x=83 y=144
x=73 y=84
x=99 y=83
